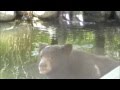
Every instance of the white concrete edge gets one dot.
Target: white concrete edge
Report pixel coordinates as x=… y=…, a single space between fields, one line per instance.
x=113 y=74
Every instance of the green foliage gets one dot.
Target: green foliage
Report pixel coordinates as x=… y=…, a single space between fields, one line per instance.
x=15 y=51
x=17 y=46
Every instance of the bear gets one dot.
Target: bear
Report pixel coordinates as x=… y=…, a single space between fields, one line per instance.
x=64 y=62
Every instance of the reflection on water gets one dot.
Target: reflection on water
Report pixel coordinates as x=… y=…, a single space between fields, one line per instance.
x=19 y=45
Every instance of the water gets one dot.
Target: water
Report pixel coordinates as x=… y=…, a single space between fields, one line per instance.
x=19 y=45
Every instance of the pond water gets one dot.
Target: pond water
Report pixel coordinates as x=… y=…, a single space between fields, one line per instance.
x=19 y=45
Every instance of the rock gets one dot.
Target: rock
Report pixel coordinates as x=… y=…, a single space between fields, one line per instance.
x=96 y=16
x=7 y=15
x=45 y=14
x=117 y=15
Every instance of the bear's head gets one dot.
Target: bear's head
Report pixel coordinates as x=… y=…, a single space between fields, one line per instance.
x=54 y=58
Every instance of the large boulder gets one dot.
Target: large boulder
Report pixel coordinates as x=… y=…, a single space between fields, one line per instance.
x=7 y=15
x=45 y=14
x=117 y=15
x=96 y=16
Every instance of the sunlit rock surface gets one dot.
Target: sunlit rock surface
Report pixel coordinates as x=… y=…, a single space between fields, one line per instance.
x=7 y=15
x=117 y=14
x=45 y=14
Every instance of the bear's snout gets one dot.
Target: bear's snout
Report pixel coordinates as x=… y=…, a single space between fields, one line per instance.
x=42 y=65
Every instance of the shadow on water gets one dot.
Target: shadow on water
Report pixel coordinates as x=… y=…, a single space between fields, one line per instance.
x=19 y=45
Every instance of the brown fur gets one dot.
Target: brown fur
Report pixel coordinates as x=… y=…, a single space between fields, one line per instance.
x=61 y=61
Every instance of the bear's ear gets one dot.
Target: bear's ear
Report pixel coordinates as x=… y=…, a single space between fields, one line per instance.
x=67 y=48
x=41 y=46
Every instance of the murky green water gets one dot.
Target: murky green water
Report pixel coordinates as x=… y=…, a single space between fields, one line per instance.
x=19 y=45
